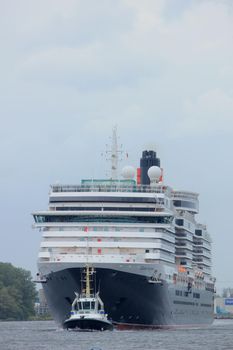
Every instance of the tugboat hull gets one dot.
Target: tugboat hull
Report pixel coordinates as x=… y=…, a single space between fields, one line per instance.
x=88 y=324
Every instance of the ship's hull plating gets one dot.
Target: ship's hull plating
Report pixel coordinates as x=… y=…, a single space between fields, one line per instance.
x=131 y=300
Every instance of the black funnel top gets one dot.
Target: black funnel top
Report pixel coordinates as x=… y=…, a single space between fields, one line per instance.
x=148 y=159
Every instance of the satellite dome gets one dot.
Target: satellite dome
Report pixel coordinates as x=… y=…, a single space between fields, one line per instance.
x=154 y=173
x=128 y=172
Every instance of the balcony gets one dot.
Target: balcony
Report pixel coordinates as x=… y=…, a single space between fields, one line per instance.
x=183 y=254
x=185 y=245
x=201 y=252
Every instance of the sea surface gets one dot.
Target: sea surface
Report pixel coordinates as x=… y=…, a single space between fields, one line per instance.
x=41 y=335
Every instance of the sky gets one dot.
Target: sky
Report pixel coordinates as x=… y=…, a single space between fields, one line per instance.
x=162 y=71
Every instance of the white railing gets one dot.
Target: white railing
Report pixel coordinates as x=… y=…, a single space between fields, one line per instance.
x=187 y=216
x=160 y=256
x=107 y=244
x=184 y=254
x=105 y=235
x=108 y=188
x=103 y=258
x=202 y=244
x=184 y=195
x=184 y=245
x=201 y=253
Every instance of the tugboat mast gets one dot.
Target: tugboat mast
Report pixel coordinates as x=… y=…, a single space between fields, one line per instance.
x=88 y=288
x=87 y=282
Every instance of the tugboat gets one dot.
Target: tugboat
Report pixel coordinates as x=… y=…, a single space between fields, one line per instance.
x=87 y=311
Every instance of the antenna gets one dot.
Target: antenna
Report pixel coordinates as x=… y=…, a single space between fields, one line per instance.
x=114 y=154
x=87 y=244
x=88 y=288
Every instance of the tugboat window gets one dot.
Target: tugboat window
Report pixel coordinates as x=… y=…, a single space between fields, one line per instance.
x=86 y=305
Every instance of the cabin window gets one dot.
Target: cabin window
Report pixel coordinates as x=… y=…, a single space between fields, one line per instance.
x=184 y=204
x=196 y=295
x=180 y=222
x=179 y=292
x=93 y=305
x=86 y=305
x=80 y=305
x=104 y=219
x=198 y=232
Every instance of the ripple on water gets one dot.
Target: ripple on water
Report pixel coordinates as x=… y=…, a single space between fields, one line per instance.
x=41 y=335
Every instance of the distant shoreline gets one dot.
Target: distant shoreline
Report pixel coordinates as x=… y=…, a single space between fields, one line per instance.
x=29 y=320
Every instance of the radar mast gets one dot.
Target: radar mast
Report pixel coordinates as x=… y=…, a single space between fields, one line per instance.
x=114 y=154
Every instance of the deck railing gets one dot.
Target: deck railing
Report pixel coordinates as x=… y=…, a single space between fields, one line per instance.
x=108 y=188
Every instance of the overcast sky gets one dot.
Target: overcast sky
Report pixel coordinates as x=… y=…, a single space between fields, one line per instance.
x=70 y=70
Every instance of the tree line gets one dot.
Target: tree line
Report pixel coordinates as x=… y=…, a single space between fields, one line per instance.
x=17 y=293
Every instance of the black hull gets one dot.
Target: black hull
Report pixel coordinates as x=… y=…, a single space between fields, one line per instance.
x=130 y=300
x=88 y=324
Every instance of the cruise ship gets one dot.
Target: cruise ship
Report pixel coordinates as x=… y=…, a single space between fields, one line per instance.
x=151 y=256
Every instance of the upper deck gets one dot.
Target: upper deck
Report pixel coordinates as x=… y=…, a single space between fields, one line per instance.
x=185 y=200
x=129 y=186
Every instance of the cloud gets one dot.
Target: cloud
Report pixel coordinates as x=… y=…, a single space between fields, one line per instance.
x=210 y=112
x=104 y=48
x=129 y=62
x=91 y=67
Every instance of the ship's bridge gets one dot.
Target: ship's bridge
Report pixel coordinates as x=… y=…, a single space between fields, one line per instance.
x=184 y=200
x=108 y=201
x=110 y=195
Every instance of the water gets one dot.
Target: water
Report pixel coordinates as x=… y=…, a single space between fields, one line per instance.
x=44 y=335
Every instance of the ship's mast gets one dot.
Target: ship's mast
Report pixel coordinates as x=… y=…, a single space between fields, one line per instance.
x=114 y=155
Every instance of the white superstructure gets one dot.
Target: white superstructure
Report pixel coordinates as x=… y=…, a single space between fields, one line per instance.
x=136 y=227
x=121 y=222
